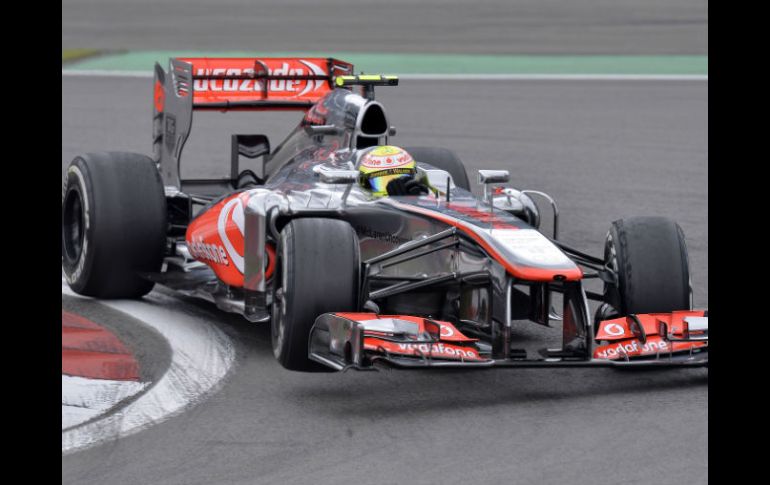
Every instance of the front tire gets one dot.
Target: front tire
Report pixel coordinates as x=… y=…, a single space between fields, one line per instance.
x=319 y=266
x=649 y=256
x=113 y=224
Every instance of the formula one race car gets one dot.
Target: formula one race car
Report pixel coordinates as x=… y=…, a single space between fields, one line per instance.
x=351 y=279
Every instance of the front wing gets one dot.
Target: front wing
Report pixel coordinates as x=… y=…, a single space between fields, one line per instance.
x=364 y=341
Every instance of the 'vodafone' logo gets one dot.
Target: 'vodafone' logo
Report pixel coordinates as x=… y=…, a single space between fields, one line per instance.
x=386 y=157
x=446 y=331
x=614 y=329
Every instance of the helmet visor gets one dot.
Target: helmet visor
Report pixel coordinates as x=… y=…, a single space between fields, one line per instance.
x=379 y=180
x=380 y=184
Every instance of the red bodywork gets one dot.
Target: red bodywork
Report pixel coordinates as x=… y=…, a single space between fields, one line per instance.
x=216 y=237
x=452 y=344
x=235 y=79
x=622 y=342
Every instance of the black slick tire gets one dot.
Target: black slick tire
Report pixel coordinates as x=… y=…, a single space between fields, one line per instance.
x=649 y=255
x=113 y=224
x=318 y=273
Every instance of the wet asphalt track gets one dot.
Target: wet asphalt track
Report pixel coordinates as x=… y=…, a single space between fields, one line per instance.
x=605 y=150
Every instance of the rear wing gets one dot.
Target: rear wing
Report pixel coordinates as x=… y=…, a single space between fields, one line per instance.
x=227 y=84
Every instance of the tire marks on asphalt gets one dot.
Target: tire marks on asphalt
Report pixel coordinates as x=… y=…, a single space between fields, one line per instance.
x=83 y=399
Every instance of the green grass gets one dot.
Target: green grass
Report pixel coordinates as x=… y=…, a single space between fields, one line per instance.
x=404 y=63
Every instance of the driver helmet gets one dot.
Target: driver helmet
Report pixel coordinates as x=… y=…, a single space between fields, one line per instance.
x=382 y=165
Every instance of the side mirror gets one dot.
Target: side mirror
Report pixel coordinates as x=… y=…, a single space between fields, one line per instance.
x=437 y=178
x=494 y=176
x=487 y=177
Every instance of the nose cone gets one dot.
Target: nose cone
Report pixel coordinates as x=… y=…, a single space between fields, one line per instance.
x=531 y=256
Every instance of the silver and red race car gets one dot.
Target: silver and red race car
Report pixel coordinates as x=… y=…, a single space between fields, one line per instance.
x=351 y=280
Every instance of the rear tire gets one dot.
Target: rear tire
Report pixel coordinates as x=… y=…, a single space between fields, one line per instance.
x=318 y=273
x=113 y=224
x=649 y=255
x=445 y=160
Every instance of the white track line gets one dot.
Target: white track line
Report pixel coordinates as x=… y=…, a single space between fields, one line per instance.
x=83 y=399
x=555 y=77
x=457 y=77
x=202 y=355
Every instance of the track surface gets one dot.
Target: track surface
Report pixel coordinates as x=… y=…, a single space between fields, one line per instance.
x=605 y=150
x=645 y=27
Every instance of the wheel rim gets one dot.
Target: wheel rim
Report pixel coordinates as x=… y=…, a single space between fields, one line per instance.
x=611 y=262
x=73 y=227
x=277 y=321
